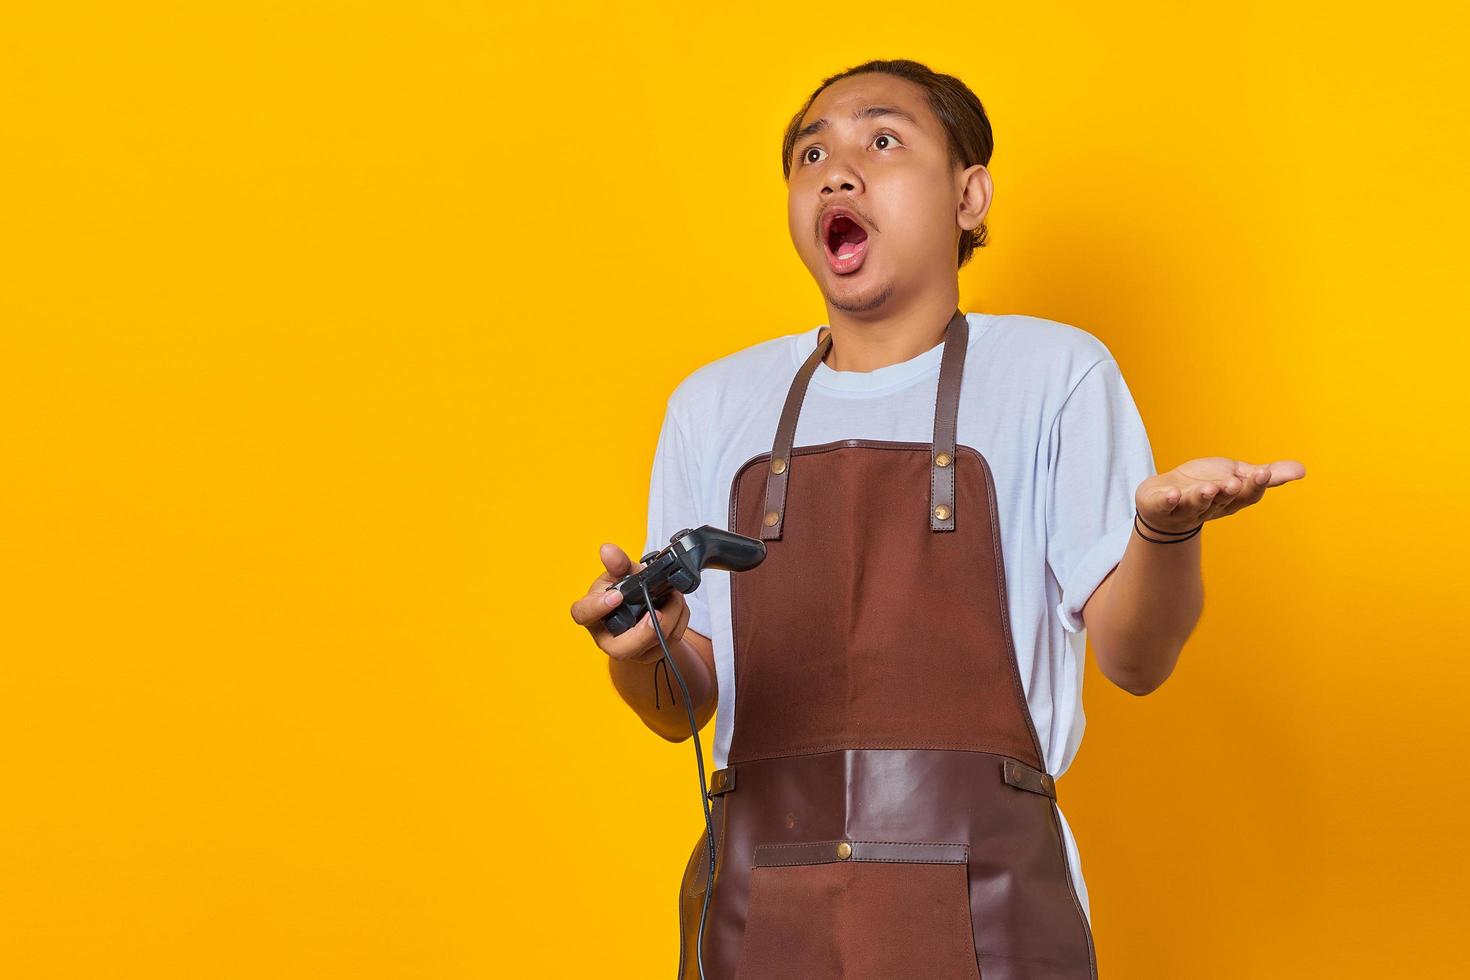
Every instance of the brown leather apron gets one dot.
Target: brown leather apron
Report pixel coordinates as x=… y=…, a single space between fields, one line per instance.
x=885 y=812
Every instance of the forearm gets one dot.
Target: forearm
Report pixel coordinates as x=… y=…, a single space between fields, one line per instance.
x=660 y=711
x=1154 y=599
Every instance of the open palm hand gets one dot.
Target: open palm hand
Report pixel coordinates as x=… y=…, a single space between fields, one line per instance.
x=1206 y=488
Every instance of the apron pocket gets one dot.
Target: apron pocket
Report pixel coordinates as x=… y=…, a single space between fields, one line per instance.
x=859 y=910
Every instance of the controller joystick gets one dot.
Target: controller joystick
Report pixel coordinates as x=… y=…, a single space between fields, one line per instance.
x=677 y=568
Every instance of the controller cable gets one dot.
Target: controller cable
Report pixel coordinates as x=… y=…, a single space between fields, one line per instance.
x=709 y=825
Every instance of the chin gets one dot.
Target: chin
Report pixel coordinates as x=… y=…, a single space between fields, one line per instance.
x=857 y=297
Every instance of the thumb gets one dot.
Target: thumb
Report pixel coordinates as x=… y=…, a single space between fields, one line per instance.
x=616 y=561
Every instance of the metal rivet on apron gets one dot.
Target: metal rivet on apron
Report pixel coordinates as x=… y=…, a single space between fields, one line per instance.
x=844 y=850
x=942 y=459
x=772 y=518
x=941 y=512
x=778 y=466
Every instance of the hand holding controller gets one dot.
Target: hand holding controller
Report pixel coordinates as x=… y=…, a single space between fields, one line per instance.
x=677 y=568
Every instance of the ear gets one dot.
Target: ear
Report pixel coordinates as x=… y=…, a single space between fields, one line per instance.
x=976 y=190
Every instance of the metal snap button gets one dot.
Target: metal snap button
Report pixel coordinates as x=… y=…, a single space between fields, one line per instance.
x=844 y=850
x=778 y=466
x=772 y=518
x=942 y=459
x=941 y=512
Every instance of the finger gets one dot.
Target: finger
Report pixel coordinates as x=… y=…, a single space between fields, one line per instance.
x=1198 y=497
x=1210 y=495
x=636 y=640
x=1209 y=492
x=1216 y=498
x=1265 y=476
x=632 y=639
x=1241 y=500
x=1230 y=490
x=1220 y=503
x=597 y=603
x=1167 y=503
x=600 y=600
x=1256 y=478
x=673 y=622
x=670 y=621
x=616 y=561
x=1164 y=500
x=630 y=643
x=1286 y=470
x=1226 y=491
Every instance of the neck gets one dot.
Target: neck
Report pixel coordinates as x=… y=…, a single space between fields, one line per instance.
x=892 y=336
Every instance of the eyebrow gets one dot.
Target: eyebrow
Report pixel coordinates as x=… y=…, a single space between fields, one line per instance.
x=865 y=112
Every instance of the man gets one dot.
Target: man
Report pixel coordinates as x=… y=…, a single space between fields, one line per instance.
x=951 y=502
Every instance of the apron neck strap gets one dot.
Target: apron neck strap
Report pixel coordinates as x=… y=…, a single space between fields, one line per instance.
x=942 y=450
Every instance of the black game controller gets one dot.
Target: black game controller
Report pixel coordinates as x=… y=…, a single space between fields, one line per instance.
x=677 y=568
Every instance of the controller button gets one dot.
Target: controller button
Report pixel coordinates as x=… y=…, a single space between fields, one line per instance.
x=941 y=512
x=772 y=518
x=778 y=466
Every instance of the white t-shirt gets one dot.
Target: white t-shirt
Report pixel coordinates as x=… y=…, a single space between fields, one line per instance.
x=1043 y=402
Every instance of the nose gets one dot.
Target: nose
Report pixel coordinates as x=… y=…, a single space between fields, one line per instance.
x=839 y=176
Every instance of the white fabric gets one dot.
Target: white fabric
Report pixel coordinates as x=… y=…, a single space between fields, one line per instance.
x=1043 y=402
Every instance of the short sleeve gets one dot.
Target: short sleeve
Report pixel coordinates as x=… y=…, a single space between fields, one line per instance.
x=673 y=504
x=1098 y=455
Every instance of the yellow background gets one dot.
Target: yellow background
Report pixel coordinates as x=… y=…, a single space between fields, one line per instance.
x=336 y=337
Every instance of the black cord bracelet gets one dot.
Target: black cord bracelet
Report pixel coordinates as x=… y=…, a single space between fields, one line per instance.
x=1159 y=530
x=1186 y=535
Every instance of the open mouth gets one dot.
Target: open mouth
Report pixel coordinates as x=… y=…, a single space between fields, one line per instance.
x=847 y=244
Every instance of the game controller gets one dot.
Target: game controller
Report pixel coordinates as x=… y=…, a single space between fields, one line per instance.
x=676 y=568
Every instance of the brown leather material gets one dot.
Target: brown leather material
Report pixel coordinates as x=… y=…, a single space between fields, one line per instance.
x=775 y=499
x=886 y=851
x=880 y=718
x=1025 y=918
x=946 y=415
x=721 y=781
x=1023 y=776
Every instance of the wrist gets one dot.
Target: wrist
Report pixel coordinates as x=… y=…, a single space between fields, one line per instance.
x=1163 y=531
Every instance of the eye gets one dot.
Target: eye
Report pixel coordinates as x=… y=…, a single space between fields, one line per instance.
x=885 y=135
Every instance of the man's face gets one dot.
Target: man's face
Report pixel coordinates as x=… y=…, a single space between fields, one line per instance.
x=894 y=175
